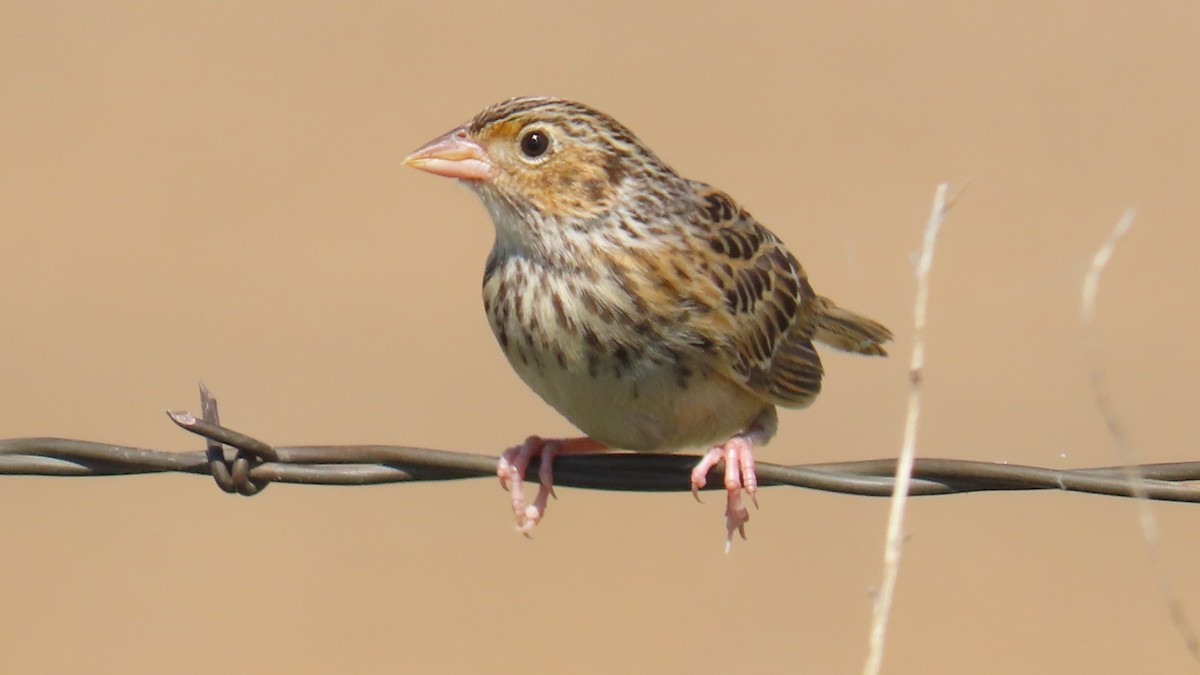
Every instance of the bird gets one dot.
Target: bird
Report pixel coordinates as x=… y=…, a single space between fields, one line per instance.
x=651 y=310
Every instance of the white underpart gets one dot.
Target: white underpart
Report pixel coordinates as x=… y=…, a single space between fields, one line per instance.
x=640 y=408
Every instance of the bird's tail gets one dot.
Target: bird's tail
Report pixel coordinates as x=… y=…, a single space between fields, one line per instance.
x=845 y=330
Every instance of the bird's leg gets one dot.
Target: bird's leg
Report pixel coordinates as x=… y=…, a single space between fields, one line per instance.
x=738 y=456
x=513 y=463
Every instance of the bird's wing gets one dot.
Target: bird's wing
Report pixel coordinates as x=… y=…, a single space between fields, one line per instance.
x=765 y=303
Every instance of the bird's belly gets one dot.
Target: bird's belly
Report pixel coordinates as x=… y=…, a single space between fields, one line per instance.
x=645 y=407
x=626 y=379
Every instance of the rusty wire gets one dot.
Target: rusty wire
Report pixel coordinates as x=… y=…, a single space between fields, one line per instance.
x=245 y=465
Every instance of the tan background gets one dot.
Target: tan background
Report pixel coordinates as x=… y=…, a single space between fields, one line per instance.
x=216 y=192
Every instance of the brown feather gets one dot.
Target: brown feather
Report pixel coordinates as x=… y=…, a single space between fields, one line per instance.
x=652 y=310
x=770 y=302
x=842 y=329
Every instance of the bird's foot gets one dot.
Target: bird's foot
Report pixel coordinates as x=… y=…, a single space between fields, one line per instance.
x=738 y=455
x=515 y=460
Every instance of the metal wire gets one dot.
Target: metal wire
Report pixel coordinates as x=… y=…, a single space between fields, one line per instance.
x=245 y=465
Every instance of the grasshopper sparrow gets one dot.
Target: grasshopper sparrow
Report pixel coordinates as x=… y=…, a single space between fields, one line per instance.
x=651 y=310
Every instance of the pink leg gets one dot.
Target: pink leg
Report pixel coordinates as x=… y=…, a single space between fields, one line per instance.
x=700 y=472
x=513 y=463
x=738 y=455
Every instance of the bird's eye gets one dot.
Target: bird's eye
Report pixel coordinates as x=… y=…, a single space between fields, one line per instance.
x=534 y=144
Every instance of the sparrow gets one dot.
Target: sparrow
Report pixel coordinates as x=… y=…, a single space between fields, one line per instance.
x=652 y=311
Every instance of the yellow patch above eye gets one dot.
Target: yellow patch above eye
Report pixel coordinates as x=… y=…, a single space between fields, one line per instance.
x=506 y=129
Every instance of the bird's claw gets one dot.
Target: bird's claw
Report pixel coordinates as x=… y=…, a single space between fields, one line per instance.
x=512 y=466
x=700 y=471
x=740 y=475
x=511 y=470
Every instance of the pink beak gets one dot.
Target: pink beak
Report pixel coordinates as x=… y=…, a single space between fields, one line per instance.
x=453 y=155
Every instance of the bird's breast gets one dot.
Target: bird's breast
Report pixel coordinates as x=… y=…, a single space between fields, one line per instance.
x=621 y=373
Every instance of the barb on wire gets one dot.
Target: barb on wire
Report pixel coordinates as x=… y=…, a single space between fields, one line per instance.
x=262 y=463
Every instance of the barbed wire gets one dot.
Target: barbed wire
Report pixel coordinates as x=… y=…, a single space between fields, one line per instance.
x=245 y=465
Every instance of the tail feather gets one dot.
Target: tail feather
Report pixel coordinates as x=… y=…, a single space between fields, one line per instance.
x=845 y=330
x=795 y=376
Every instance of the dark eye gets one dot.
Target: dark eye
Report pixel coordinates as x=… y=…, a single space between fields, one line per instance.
x=534 y=143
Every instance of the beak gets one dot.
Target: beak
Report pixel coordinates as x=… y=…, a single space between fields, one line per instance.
x=453 y=155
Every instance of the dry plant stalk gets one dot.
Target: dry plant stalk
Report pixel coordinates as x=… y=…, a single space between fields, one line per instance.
x=908 y=451
x=1098 y=376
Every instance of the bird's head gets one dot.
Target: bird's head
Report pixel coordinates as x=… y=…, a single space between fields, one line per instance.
x=545 y=158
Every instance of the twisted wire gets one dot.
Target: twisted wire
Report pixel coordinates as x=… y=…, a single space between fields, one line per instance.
x=242 y=464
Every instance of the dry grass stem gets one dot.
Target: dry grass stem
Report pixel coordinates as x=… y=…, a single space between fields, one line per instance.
x=908 y=451
x=1116 y=429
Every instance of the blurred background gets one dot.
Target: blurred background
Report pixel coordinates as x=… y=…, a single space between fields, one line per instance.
x=215 y=191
